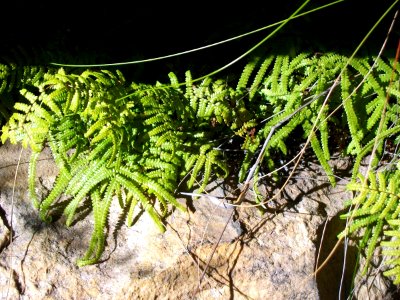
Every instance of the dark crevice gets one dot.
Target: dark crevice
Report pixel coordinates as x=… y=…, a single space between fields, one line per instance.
x=3 y=217
x=328 y=279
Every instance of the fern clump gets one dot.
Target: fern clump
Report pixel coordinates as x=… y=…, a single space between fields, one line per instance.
x=112 y=139
x=376 y=210
x=291 y=95
x=14 y=78
x=372 y=113
x=134 y=143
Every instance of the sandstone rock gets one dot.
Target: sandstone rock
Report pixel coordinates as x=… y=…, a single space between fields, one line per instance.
x=270 y=256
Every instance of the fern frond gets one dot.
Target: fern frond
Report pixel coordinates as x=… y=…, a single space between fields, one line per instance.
x=90 y=179
x=100 y=211
x=319 y=153
x=353 y=124
x=372 y=244
x=139 y=196
x=245 y=76
x=377 y=200
x=260 y=77
x=59 y=187
x=358 y=224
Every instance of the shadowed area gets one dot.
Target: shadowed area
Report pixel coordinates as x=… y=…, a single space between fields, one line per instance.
x=87 y=32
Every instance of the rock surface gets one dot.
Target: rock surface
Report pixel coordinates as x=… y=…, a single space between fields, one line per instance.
x=270 y=256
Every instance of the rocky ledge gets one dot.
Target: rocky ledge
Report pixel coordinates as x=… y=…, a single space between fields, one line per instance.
x=269 y=256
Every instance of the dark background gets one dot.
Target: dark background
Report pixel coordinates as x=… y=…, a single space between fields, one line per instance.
x=97 y=32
